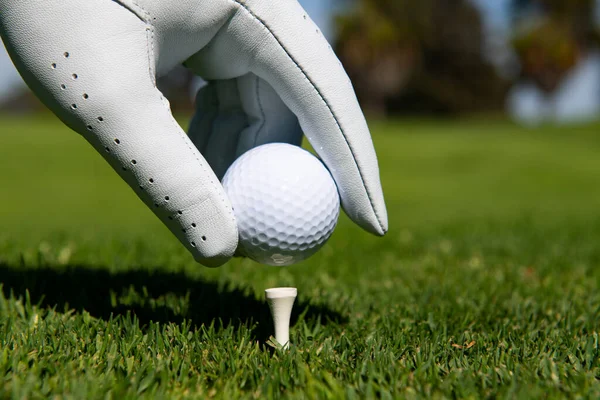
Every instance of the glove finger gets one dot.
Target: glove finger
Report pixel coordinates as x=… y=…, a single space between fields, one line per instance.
x=217 y=123
x=235 y=115
x=97 y=77
x=270 y=120
x=286 y=49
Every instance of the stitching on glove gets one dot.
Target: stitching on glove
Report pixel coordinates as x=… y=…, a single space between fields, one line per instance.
x=150 y=50
x=195 y=153
x=262 y=112
x=213 y=122
x=241 y=4
x=183 y=137
x=134 y=7
x=145 y=16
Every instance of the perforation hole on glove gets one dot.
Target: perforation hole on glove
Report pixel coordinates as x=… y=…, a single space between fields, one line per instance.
x=75 y=76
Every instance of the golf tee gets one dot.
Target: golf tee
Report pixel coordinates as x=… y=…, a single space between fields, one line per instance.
x=281 y=301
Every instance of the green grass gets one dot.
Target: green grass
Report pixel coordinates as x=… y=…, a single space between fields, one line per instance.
x=486 y=286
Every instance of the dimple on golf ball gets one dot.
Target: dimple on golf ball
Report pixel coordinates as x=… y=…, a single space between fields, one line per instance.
x=285 y=202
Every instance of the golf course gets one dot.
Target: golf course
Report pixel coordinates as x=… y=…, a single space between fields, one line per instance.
x=486 y=286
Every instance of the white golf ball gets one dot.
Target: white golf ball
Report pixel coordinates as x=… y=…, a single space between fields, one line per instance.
x=285 y=202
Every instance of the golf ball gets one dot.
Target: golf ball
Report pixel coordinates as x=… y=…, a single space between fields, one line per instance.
x=285 y=202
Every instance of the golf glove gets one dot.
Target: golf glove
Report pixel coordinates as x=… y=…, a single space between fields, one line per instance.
x=272 y=78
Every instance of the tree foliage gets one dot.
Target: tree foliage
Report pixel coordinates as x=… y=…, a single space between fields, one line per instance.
x=551 y=37
x=418 y=56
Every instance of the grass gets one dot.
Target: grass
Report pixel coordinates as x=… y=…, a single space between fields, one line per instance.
x=486 y=286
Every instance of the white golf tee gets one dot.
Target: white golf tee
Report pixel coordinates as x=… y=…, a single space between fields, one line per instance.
x=281 y=301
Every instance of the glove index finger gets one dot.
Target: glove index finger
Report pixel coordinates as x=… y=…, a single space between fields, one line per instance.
x=301 y=66
x=118 y=109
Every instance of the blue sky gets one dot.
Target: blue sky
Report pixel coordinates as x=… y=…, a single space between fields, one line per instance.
x=320 y=11
x=495 y=12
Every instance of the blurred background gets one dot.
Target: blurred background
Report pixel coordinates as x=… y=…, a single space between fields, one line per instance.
x=533 y=60
x=481 y=111
x=485 y=118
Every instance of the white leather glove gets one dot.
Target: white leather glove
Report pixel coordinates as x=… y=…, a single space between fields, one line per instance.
x=272 y=77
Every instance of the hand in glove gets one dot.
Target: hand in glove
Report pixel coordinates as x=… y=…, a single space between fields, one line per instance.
x=272 y=77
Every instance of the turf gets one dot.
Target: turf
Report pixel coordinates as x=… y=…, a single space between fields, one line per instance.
x=487 y=284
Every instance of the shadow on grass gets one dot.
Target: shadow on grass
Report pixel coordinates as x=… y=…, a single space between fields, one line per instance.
x=152 y=296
